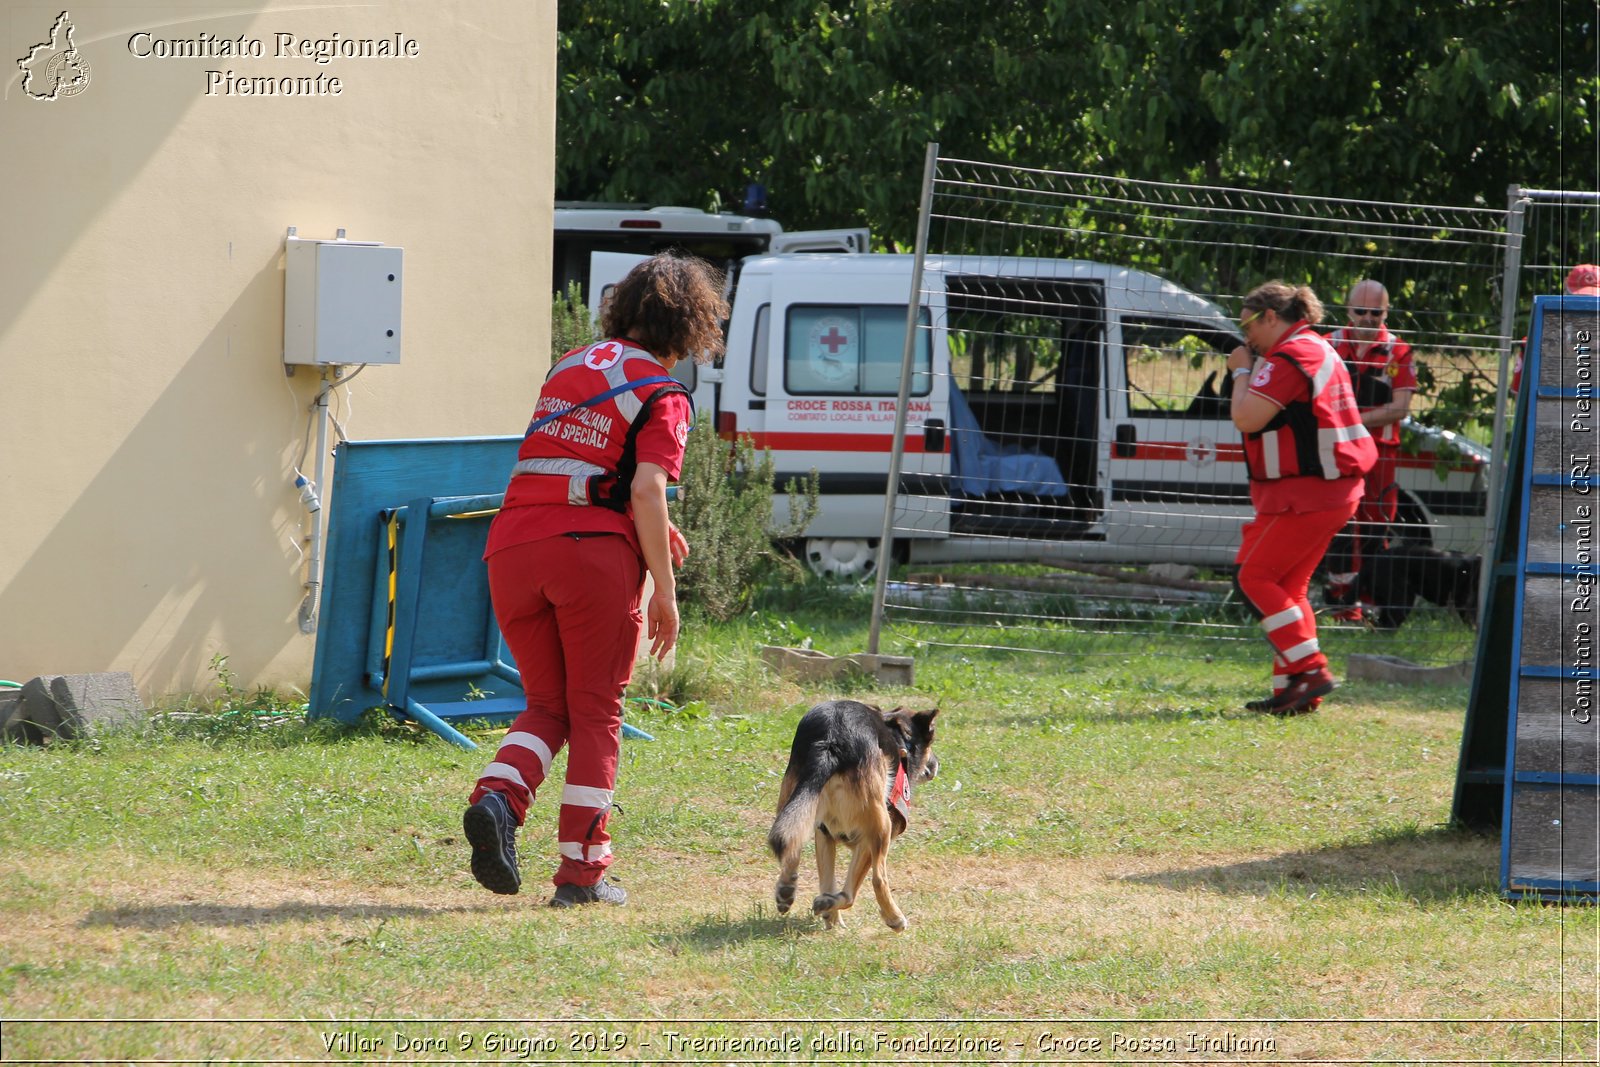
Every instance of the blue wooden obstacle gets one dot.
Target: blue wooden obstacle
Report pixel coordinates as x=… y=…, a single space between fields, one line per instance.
x=406 y=623
x=1530 y=750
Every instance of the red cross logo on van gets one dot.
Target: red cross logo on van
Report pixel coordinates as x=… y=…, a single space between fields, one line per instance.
x=834 y=340
x=603 y=355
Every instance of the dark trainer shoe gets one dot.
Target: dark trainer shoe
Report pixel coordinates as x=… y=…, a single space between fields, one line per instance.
x=492 y=832
x=602 y=892
x=1303 y=693
x=1269 y=703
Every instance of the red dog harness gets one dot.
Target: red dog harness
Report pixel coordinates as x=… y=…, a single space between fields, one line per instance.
x=899 y=799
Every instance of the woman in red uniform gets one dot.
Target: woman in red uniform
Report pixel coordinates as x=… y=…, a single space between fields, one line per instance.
x=585 y=516
x=1307 y=454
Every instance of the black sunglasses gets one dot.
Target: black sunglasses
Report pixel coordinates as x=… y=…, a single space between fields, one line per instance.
x=1375 y=312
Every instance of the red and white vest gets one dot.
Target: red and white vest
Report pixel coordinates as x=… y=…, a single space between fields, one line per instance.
x=1319 y=437
x=585 y=454
x=1385 y=368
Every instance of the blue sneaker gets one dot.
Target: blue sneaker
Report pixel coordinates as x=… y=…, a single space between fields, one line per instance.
x=492 y=832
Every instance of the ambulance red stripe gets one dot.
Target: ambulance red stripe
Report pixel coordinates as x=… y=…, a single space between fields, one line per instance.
x=1179 y=450
x=792 y=441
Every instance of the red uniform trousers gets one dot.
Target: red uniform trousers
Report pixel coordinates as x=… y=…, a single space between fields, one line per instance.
x=569 y=609
x=1277 y=556
x=1380 y=503
x=1380 y=500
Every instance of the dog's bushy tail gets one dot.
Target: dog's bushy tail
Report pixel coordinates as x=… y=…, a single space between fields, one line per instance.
x=797 y=818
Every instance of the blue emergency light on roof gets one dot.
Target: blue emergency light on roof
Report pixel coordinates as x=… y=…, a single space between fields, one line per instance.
x=755 y=199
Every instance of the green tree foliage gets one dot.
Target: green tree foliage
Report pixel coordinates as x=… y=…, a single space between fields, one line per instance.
x=724 y=511
x=830 y=102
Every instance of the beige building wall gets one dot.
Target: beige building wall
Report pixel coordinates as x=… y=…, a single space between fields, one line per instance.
x=147 y=428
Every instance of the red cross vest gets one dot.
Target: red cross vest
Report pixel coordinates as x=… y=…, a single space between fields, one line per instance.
x=1318 y=437
x=579 y=447
x=1372 y=378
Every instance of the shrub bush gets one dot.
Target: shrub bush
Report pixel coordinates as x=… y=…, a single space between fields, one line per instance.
x=724 y=509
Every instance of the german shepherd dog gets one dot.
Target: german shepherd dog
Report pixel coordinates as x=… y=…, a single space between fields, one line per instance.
x=849 y=782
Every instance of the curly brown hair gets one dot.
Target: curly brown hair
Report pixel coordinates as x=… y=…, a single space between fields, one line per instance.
x=1291 y=302
x=671 y=305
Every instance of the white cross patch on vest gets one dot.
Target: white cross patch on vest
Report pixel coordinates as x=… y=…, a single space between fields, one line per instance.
x=603 y=355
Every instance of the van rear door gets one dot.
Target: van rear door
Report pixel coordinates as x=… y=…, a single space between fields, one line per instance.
x=836 y=334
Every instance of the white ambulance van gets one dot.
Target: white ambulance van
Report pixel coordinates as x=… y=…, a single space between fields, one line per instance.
x=1058 y=409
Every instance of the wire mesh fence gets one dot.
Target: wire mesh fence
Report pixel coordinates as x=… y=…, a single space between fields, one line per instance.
x=1097 y=482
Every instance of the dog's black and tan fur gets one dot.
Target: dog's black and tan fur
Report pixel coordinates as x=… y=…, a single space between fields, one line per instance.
x=836 y=788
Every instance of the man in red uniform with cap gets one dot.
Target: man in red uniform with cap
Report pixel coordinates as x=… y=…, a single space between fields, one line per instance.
x=1385 y=379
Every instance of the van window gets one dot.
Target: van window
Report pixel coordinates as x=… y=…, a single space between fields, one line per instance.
x=1175 y=369
x=852 y=349
x=758 y=351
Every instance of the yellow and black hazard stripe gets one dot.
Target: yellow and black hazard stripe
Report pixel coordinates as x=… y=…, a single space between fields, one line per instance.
x=388 y=629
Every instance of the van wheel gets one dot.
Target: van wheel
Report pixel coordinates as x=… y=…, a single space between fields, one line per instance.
x=854 y=558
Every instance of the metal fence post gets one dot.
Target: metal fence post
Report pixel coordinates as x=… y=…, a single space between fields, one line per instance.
x=1510 y=278
x=907 y=365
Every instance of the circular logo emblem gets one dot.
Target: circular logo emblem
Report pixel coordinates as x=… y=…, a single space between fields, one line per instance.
x=68 y=73
x=832 y=348
x=682 y=433
x=1200 y=452
x=602 y=355
x=1263 y=376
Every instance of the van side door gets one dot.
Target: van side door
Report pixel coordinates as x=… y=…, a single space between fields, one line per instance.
x=1178 y=483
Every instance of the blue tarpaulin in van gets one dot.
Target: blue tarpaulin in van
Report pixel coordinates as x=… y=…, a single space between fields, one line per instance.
x=979 y=466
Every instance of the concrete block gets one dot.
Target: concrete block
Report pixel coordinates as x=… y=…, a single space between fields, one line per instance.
x=809 y=665
x=72 y=705
x=88 y=702
x=1395 y=669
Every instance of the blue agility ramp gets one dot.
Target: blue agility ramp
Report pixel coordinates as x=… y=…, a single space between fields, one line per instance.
x=406 y=622
x=1530 y=751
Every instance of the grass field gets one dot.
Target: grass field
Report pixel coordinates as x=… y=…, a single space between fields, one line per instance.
x=1115 y=864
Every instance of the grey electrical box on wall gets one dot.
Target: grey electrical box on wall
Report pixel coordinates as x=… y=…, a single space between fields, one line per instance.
x=341 y=302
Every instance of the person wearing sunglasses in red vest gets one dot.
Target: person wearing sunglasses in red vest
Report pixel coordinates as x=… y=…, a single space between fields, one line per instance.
x=1307 y=454
x=584 y=518
x=1385 y=379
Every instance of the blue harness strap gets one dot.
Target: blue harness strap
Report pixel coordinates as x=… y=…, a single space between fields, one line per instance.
x=656 y=379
